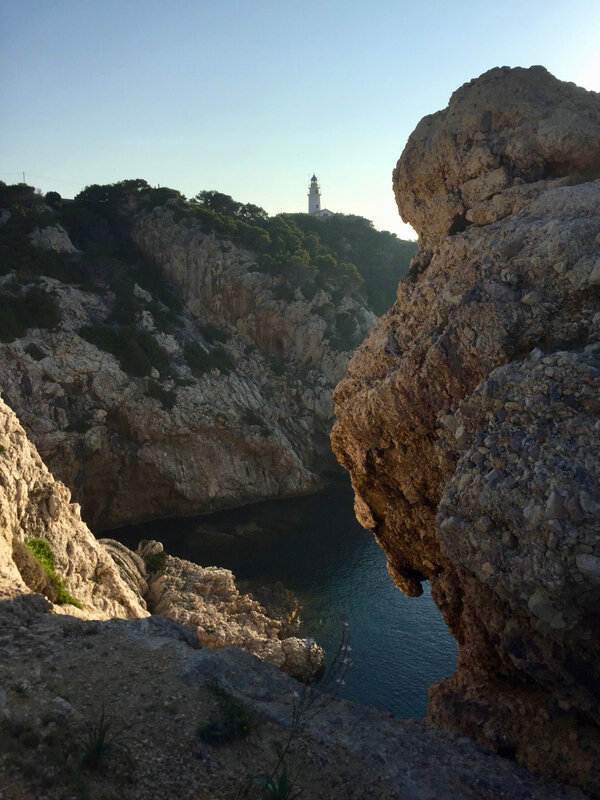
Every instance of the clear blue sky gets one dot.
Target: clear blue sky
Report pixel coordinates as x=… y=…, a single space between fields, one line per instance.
x=251 y=96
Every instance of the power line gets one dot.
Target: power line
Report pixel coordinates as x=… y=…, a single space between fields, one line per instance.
x=43 y=177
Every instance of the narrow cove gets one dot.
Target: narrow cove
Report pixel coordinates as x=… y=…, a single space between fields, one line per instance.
x=314 y=545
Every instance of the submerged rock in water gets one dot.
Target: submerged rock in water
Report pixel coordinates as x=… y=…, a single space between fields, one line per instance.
x=476 y=399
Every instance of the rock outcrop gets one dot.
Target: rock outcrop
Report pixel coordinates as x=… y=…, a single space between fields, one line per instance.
x=504 y=138
x=208 y=600
x=469 y=418
x=35 y=506
x=53 y=237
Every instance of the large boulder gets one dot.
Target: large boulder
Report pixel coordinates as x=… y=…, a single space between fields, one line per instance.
x=501 y=139
x=468 y=419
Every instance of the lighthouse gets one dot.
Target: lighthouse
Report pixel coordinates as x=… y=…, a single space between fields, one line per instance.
x=314 y=196
x=314 y=200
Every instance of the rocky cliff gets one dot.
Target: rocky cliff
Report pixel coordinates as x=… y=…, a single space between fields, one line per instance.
x=98 y=698
x=33 y=506
x=469 y=418
x=179 y=383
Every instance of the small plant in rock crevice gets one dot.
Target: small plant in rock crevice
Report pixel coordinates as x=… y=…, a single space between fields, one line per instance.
x=100 y=740
x=35 y=351
x=155 y=561
x=42 y=551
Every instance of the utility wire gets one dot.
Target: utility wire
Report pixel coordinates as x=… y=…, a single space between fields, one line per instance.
x=43 y=177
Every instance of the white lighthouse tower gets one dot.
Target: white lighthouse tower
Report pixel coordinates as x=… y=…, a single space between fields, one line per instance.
x=314 y=200
x=314 y=196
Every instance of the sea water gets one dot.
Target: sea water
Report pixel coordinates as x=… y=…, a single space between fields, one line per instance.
x=314 y=545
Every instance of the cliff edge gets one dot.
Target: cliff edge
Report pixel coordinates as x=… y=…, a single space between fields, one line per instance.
x=469 y=417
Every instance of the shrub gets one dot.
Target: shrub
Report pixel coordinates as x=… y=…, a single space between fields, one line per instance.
x=40 y=309
x=165 y=397
x=309 y=290
x=53 y=199
x=346 y=338
x=283 y=292
x=35 y=309
x=327 y=311
x=160 y=195
x=277 y=368
x=78 y=422
x=250 y=417
x=212 y=333
x=127 y=305
x=136 y=351
x=200 y=361
x=42 y=551
x=222 y=360
x=197 y=358
x=155 y=561
x=233 y=722
x=35 y=352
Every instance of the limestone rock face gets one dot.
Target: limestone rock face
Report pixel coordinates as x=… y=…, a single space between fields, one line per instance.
x=221 y=281
x=476 y=399
x=256 y=430
x=53 y=237
x=34 y=505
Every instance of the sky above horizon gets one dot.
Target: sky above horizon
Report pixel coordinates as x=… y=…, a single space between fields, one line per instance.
x=251 y=98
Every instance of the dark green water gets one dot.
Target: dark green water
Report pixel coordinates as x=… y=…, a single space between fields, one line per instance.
x=315 y=546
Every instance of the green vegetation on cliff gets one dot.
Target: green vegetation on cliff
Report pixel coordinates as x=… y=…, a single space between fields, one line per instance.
x=343 y=254
x=310 y=252
x=42 y=551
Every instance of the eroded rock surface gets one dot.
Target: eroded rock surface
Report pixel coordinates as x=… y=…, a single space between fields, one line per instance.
x=108 y=580
x=34 y=505
x=476 y=399
x=504 y=137
x=208 y=600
